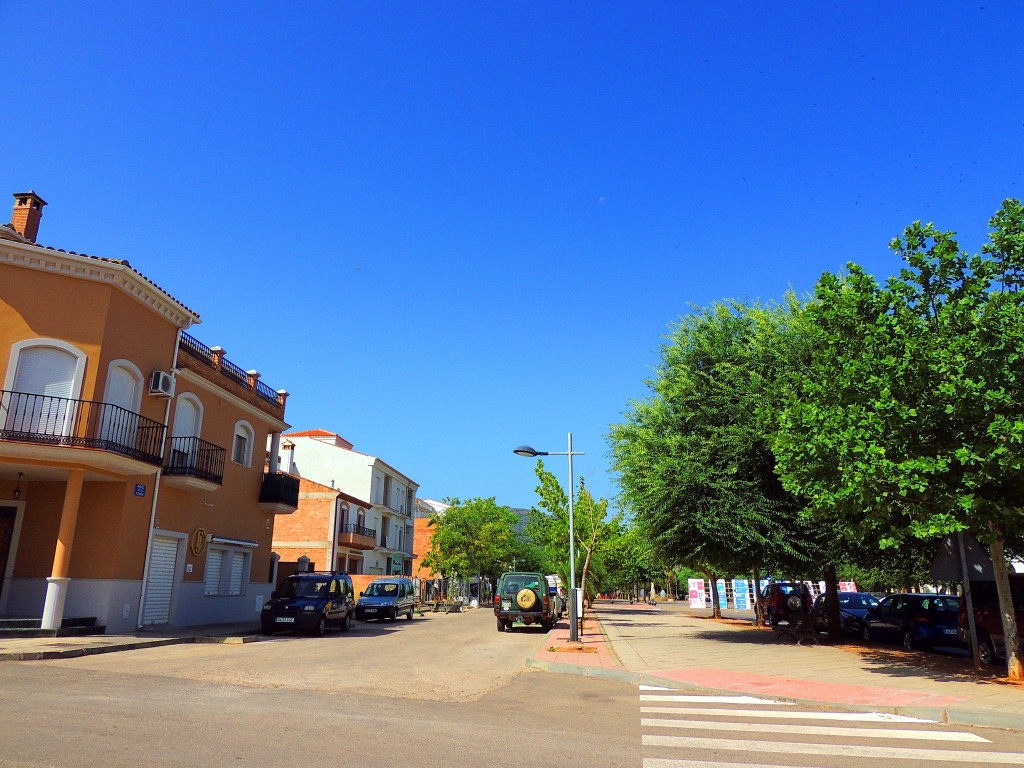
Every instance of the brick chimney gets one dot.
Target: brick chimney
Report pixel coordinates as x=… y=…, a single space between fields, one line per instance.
x=28 y=210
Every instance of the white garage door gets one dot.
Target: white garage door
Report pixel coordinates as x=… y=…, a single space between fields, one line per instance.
x=162 y=566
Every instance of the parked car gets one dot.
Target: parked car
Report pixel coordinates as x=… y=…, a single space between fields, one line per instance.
x=916 y=620
x=988 y=622
x=308 y=602
x=558 y=596
x=387 y=598
x=853 y=607
x=781 y=600
x=524 y=596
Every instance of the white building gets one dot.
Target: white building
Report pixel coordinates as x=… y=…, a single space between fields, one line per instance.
x=329 y=459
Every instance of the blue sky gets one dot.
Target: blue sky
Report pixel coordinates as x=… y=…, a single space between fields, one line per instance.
x=449 y=229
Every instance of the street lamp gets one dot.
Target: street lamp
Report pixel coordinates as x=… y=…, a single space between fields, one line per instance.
x=530 y=453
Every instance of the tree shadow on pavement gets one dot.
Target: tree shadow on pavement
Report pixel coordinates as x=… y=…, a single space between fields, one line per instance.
x=893 y=662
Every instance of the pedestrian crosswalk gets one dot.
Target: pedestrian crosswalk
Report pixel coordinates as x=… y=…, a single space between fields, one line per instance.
x=681 y=730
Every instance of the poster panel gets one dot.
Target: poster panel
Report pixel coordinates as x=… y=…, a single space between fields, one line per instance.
x=741 y=596
x=696 y=591
x=723 y=598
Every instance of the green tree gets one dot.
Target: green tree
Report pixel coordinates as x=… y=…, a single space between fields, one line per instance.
x=592 y=527
x=908 y=418
x=694 y=459
x=475 y=536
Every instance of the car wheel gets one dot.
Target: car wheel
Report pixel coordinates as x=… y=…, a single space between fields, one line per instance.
x=501 y=625
x=346 y=623
x=865 y=633
x=393 y=616
x=546 y=625
x=408 y=616
x=986 y=650
x=268 y=631
x=321 y=626
x=909 y=643
x=773 y=619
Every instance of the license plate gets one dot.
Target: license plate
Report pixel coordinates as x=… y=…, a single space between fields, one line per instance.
x=506 y=605
x=949 y=631
x=285 y=619
x=369 y=610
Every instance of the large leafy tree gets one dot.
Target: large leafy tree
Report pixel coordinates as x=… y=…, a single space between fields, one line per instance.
x=475 y=536
x=908 y=419
x=694 y=459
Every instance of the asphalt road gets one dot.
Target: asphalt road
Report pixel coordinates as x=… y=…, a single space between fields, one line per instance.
x=438 y=691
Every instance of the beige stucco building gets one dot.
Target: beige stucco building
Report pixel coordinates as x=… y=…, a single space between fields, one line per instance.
x=134 y=484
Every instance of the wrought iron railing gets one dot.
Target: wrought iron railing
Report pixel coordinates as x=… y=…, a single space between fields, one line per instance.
x=80 y=423
x=279 y=488
x=202 y=352
x=193 y=457
x=266 y=392
x=361 y=530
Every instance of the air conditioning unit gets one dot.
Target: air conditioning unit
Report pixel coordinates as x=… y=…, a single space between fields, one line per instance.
x=161 y=384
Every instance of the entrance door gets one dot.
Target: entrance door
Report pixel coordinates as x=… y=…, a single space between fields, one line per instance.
x=7 y=517
x=162 y=567
x=120 y=424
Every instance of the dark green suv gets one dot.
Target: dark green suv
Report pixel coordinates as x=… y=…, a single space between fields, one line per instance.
x=523 y=596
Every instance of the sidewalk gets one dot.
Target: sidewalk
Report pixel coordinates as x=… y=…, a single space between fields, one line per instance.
x=671 y=646
x=42 y=648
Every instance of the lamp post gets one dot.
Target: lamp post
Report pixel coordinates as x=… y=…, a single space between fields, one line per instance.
x=530 y=453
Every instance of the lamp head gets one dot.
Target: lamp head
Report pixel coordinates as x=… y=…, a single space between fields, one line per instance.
x=528 y=452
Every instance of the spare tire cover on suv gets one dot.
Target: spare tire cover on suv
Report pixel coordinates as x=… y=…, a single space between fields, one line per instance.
x=526 y=598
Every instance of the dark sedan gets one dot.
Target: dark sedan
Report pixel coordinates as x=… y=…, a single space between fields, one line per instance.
x=916 y=621
x=853 y=607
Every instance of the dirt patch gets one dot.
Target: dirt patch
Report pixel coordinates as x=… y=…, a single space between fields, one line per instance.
x=571 y=649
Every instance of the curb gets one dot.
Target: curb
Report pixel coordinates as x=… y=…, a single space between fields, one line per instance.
x=93 y=650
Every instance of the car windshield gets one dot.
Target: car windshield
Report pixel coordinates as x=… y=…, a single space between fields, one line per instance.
x=303 y=588
x=857 y=601
x=381 y=589
x=511 y=586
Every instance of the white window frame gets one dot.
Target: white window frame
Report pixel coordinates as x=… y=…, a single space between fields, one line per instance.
x=227 y=554
x=135 y=373
x=243 y=429
x=79 y=355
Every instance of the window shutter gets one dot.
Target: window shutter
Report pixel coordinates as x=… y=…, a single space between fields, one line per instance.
x=237 y=571
x=214 y=562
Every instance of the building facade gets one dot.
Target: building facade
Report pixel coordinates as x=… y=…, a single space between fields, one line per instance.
x=330 y=461
x=134 y=488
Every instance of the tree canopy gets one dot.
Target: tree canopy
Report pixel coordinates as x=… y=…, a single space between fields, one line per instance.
x=907 y=418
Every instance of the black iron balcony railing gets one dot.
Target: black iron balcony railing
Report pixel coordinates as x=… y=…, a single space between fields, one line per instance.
x=279 y=488
x=79 y=423
x=195 y=458
x=361 y=530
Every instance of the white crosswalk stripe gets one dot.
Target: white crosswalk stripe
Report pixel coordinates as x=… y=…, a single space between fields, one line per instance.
x=739 y=726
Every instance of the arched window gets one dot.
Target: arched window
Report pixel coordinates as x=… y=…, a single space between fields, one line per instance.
x=188 y=421
x=241 y=447
x=42 y=377
x=123 y=395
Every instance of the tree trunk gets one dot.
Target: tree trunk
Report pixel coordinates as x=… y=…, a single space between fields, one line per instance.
x=835 y=624
x=758 y=618
x=583 y=581
x=716 y=610
x=1014 y=666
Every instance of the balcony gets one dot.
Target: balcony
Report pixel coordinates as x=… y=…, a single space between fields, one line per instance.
x=55 y=424
x=194 y=463
x=356 y=537
x=279 y=493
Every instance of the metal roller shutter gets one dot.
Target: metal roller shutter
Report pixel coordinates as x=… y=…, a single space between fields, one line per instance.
x=237 y=571
x=160 y=584
x=214 y=562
